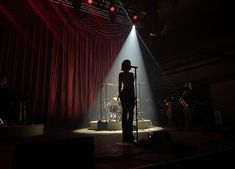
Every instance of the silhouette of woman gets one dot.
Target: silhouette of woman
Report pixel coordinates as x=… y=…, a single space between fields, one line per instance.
x=127 y=97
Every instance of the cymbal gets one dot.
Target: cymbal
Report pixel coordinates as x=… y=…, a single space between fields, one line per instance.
x=109 y=84
x=115 y=98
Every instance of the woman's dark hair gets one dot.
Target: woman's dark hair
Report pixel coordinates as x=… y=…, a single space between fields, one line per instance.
x=126 y=65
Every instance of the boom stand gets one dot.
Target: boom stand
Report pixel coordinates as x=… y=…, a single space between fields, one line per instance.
x=136 y=111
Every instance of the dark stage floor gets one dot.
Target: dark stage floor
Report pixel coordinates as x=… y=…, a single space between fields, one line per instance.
x=168 y=148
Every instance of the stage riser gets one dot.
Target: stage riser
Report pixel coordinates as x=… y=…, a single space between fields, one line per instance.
x=14 y=132
x=117 y=125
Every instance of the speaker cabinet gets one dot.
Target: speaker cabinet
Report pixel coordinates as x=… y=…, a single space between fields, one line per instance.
x=62 y=153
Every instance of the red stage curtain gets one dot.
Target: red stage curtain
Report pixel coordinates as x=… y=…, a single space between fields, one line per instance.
x=59 y=59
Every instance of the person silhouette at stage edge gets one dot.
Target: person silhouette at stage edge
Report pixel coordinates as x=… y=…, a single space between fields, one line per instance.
x=127 y=98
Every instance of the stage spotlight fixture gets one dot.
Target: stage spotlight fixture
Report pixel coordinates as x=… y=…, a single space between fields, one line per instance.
x=112 y=11
x=134 y=17
x=89 y=2
x=112 y=8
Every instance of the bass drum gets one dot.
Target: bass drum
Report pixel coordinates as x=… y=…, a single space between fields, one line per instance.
x=114 y=110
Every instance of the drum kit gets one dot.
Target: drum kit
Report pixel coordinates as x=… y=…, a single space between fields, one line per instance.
x=113 y=108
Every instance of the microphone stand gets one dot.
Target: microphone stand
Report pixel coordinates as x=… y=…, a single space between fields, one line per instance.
x=101 y=102
x=136 y=111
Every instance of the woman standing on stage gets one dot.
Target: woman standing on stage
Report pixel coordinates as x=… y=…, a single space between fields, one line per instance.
x=127 y=97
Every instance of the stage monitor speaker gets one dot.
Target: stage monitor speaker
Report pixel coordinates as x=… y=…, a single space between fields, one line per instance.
x=161 y=136
x=63 y=153
x=157 y=141
x=161 y=141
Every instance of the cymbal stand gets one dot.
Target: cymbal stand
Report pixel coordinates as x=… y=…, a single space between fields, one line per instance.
x=101 y=103
x=140 y=101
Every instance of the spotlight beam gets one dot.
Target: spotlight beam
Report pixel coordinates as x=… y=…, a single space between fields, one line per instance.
x=145 y=102
x=153 y=58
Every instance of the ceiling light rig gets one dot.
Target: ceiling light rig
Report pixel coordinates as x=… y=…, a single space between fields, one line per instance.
x=112 y=8
x=109 y=9
x=136 y=17
x=90 y=2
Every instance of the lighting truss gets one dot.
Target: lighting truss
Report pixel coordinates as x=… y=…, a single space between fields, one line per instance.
x=98 y=8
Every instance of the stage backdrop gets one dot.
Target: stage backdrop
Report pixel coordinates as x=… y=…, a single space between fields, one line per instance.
x=56 y=56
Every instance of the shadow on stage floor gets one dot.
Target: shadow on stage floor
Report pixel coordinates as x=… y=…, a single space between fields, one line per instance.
x=166 y=148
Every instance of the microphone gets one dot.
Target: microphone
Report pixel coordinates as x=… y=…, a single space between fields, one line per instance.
x=134 y=67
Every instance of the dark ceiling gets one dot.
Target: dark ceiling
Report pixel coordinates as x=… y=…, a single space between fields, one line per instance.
x=179 y=27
